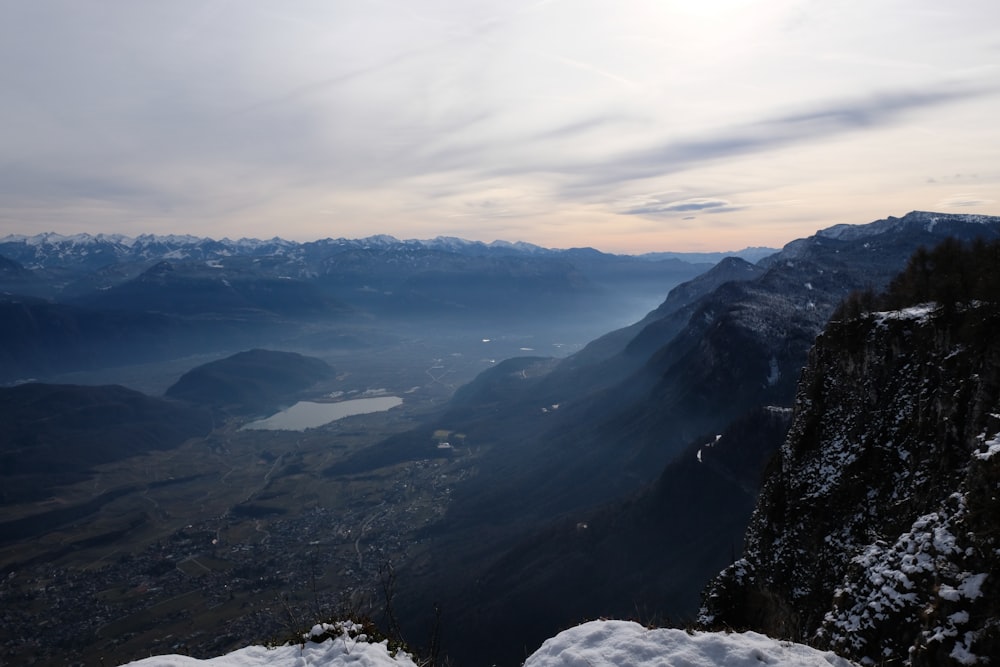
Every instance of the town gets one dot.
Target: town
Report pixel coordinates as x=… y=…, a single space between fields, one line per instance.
x=259 y=571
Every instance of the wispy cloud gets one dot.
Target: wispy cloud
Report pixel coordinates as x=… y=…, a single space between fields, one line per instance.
x=549 y=119
x=965 y=200
x=820 y=123
x=698 y=204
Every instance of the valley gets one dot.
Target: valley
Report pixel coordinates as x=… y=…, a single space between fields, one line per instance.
x=228 y=529
x=239 y=548
x=213 y=544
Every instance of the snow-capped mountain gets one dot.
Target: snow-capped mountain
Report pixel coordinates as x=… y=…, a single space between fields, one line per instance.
x=927 y=220
x=911 y=226
x=424 y=275
x=50 y=250
x=91 y=251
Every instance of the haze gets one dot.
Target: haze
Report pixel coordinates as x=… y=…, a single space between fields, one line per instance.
x=629 y=126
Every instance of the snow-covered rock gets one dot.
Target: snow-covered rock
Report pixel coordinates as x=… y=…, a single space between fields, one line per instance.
x=593 y=644
x=628 y=644
x=876 y=536
x=343 y=643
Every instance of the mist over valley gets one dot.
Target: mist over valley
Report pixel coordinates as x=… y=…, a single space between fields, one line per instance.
x=513 y=439
x=139 y=369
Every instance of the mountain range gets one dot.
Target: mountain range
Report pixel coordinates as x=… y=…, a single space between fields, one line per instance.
x=56 y=251
x=90 y=301
x=855 y=455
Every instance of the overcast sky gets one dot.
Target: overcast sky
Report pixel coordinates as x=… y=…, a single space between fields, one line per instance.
x=626 y=125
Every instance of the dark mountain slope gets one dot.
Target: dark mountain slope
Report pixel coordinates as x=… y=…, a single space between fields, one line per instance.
x=877 y=533
x=616 y=355
x=493 y=285
x=746 y=342
x=251 y=382
x=9 y=269
x=741 y=348
x=633 y=559
x=39 y=337
x=663 y=323
x=54 y=434
x=209 y=290
x=16 y=279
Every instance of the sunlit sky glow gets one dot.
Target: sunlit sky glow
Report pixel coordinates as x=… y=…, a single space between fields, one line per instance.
x=625 y=125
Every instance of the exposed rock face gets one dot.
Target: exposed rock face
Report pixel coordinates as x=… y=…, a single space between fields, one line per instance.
x=877 y=533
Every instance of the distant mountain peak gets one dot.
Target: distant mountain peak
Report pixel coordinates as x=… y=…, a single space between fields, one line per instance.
x=379 y=240
x=917 y=219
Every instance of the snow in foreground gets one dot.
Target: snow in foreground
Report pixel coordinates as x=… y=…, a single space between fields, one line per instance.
x=594 y=644
x=627 y=644
x=347 y=645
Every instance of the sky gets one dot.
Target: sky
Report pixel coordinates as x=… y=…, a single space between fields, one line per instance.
x=625 y=125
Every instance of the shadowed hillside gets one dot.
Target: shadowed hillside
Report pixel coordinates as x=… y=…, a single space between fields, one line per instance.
x=251 y=382
x=54 y=434
x=561 y=446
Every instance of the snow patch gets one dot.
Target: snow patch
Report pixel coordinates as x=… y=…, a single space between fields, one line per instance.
x=346 y=645
x=919 y=313
x=992 y=448
x=628 y=644
x=971 y=586
x=593 y=644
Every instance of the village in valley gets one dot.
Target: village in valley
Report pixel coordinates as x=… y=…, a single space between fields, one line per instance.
x=291 y=548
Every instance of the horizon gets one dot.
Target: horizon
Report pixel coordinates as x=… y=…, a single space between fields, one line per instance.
x=118 y=236
x=628 y=127
x=494 y=242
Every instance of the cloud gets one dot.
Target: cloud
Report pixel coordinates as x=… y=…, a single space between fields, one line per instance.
x=964 y=201
x=699 y=204
x=479 y=117
x=574 y=129
x=485 y=209
x=819 y=123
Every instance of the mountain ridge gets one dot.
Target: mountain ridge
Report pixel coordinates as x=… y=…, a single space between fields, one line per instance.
x=143 y=246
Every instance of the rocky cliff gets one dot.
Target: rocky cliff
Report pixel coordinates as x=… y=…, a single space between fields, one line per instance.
x=877 y=533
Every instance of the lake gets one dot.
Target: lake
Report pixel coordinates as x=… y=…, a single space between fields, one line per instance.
x=307 y=414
